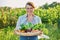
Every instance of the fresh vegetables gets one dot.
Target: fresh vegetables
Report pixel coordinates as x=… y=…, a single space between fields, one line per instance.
x=32 y=28
x=27 y=27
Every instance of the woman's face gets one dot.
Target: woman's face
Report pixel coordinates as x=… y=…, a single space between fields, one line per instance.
x=29 y=9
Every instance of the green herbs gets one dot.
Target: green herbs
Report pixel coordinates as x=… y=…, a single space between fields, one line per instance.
x=29 y=27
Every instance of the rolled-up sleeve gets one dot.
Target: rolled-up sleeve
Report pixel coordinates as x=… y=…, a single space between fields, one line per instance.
x=18 y=24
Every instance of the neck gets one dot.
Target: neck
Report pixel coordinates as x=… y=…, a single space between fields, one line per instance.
x=30 y=17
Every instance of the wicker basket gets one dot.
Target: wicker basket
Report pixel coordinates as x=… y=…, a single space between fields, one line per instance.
x=29 y=33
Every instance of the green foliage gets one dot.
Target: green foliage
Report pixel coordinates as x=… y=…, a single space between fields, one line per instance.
x=8 y=34
x=9 y=18
x=34 y=27
x=41 y=27
x=26 y=26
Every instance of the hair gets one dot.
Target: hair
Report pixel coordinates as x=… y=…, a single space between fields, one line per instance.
x=31 y=4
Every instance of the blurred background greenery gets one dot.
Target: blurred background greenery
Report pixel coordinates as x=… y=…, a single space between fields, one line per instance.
x=50 y=16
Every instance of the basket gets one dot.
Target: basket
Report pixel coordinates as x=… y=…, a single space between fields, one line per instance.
x=29 y=33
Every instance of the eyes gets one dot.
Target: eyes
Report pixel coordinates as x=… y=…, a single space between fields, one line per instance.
x=29 y=8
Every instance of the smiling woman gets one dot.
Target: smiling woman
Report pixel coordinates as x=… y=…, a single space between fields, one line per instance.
x=25 y=19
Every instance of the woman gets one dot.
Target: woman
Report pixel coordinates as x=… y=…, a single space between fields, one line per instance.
x=28 y=17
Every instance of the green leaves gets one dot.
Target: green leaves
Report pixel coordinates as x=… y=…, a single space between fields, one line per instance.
x=23 y=27
x=34 y=27
x=27 y=26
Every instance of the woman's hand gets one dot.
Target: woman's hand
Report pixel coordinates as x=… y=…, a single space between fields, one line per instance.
x=17 y=32
x=41 y=32
x=38 y=31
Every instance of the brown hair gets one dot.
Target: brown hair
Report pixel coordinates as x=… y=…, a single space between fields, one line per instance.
x=31 y=4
